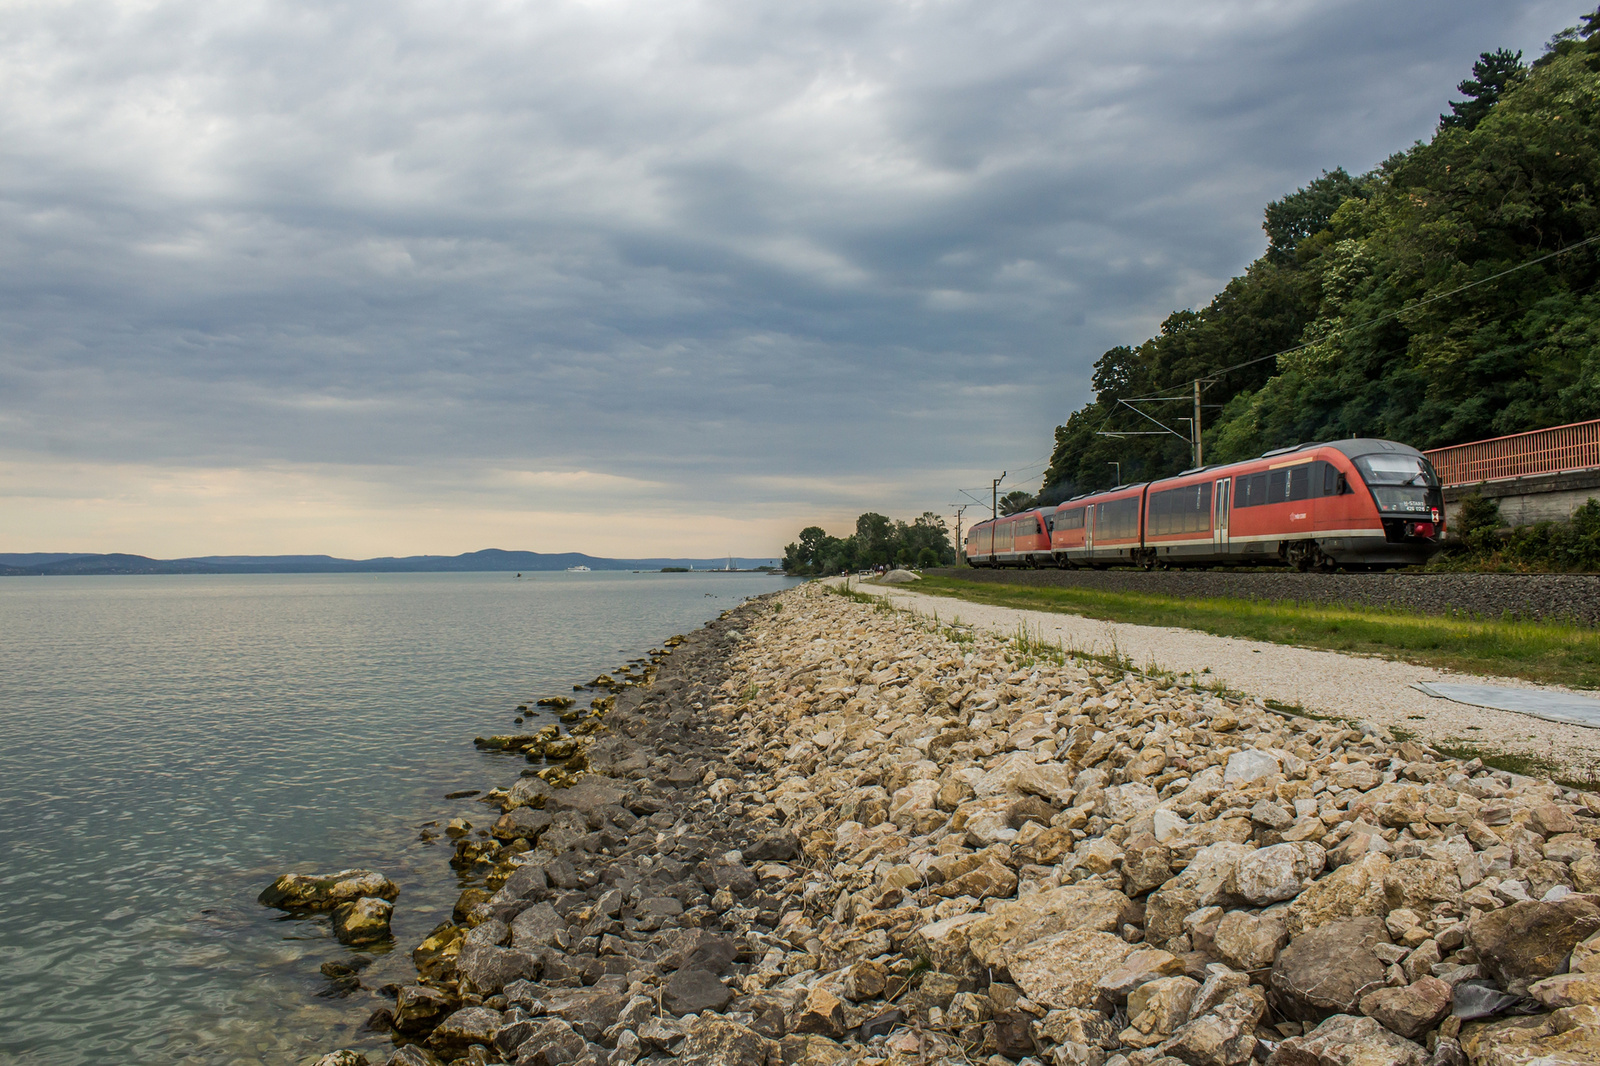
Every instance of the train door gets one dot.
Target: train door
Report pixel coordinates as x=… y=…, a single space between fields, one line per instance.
x=1088 y=530
x=1219 y=528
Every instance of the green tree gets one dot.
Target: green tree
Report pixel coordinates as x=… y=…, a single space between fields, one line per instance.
x=925 y=542
x=811 y=552
x=1306 y=212
x=875 y=540
x=1492 y=75
x=1018 y=500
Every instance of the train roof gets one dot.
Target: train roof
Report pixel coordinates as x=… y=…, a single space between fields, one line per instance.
x=1351 y=447
x=1014 y=514
x=1366 y=446
x=1101 y=492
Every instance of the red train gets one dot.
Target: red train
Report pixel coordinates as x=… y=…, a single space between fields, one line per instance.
x=1360 y=503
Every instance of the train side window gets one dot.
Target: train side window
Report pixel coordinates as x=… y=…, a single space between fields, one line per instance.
x=1277 y=486
x=1258 y=490
x=1117 y=520
x=1241 y=487
x=1325 y=480
x=1201 y=516
x=1299 y=482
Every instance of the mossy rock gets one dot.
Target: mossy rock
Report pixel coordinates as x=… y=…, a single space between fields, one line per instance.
x=323 y=892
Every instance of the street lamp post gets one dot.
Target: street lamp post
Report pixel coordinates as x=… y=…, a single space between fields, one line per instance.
x=994 y=495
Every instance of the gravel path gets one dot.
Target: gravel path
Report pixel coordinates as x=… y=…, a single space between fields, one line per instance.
x=1323 y=682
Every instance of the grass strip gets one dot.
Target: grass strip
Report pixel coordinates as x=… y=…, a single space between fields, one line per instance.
x=1549 y=653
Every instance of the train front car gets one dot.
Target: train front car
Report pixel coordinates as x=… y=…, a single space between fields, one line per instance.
x=1359 y=504
x=1398 y=520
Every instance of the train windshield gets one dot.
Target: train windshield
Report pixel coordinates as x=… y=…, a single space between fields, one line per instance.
x=1400 y=482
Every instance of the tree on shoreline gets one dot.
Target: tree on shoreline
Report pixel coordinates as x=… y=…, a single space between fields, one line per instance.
x=877 y=541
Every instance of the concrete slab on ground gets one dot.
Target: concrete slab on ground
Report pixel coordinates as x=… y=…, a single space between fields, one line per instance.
x=1552 y=706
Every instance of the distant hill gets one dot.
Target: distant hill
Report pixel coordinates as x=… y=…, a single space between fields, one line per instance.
x=490 y=559
x=36 y=558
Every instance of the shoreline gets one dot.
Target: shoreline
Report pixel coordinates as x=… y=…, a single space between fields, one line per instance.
x=824 y=833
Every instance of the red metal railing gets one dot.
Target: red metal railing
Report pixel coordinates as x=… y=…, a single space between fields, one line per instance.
x=1539 y=451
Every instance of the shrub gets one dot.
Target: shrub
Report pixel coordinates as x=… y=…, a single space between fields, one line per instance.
x=1572 y=546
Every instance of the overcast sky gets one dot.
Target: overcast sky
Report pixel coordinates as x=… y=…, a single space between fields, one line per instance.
x=386 y=277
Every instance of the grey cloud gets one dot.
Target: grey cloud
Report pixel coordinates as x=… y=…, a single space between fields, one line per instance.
x=690 y=243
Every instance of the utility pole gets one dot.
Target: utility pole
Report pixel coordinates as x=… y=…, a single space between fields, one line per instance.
x=994 y=496
x=1195 y=450
x=1119 y=470
x=959 y=543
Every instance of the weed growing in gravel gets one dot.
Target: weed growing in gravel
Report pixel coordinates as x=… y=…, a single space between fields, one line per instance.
x=1034 y=648
x=956 y=633
x=1298 y=711
x=1524 y=763
x=1539 y=651
x=1220 y=688
x=855 y=595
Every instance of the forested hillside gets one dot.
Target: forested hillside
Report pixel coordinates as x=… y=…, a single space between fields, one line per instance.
x=1451 y=294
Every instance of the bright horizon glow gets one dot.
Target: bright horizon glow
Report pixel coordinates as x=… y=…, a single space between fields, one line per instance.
x=166 y=514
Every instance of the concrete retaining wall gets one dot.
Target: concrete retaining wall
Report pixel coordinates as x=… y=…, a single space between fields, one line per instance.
x=1526 y=500
x=1572 y=597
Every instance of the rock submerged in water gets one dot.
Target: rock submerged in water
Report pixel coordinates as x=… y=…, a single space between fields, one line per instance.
x=414 y=1055
x=343 y=1057
x=322 y=892
x=362 y=921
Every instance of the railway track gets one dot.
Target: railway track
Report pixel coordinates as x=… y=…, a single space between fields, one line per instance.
x=1547 y=597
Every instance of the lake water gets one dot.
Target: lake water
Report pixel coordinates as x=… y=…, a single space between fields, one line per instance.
x=168 y=745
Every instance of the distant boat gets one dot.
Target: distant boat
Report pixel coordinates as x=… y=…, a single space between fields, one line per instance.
x=579 y=569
